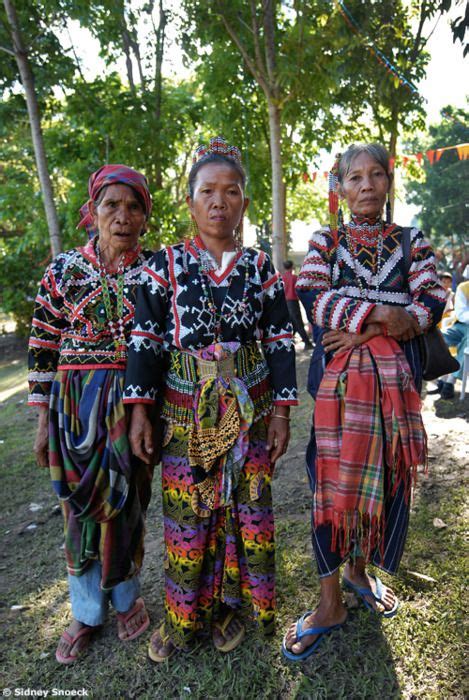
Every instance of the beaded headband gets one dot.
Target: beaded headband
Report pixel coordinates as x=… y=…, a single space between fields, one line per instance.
x=334 y=197
x=219 y=146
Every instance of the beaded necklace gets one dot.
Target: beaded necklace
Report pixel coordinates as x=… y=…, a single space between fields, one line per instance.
x=205 y=266
x=366 y=229
x=115 y=321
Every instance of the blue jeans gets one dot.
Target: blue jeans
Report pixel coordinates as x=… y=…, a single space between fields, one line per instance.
x=457 y=335
x=90 y=602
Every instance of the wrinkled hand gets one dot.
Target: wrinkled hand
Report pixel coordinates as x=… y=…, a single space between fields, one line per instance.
x=278 y=436
x=141 y=434
x=41 y=446
x=400 y=324
x=41 y=441
x=339 y=341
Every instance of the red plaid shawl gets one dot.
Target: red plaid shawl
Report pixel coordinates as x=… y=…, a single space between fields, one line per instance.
x=367 y=415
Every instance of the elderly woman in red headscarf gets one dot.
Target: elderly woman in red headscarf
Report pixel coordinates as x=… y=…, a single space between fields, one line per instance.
x=77 y=358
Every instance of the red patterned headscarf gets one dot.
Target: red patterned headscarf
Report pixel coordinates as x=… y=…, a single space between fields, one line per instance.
x=113 y=175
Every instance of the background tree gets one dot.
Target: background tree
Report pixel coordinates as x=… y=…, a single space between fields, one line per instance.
x=441 y=188
x=32 y=22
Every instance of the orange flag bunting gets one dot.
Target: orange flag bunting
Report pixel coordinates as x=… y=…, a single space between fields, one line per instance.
x=305 y=177
x=431 y=156
x=463 y=151
x=438 y=153
x=313 y=176
x=419 y=157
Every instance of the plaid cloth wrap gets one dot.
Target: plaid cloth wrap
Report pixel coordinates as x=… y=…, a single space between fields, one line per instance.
x=103 y=490
x=367 y=416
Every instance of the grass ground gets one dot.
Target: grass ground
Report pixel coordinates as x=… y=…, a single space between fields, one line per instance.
x=418 y=654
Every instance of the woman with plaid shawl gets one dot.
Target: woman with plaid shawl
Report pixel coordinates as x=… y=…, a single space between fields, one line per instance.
x=372 y=299
x=77 y=356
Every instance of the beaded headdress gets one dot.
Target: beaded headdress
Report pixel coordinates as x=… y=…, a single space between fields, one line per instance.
x=334 y=198
x=217 y=145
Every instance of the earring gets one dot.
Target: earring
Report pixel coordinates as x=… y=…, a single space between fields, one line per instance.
x=340 y=219
x=238 y=235
x=195 y=228
x=388 y=211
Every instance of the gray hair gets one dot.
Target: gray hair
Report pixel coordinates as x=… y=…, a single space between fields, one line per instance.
x=374 y=150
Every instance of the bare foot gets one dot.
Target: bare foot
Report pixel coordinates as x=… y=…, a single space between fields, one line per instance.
x=233 y=628
x=67 y=648
x=161 y=647
x=323 y=616
x=360 y=578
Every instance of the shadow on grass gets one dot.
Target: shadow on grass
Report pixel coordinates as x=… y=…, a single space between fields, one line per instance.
x=353 y=662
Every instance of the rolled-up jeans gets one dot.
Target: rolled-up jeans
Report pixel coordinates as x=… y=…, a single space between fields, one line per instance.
x=90 y=602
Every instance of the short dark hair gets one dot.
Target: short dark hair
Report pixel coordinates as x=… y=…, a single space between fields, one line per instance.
x=215 y=158
x=374 y=150
x=287 y=264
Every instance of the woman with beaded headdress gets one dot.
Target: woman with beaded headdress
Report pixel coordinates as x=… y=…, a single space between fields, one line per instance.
x=205 y=304
x=372 y=287
x=77 y=357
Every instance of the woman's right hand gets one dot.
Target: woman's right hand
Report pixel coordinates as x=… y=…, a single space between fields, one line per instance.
x=41 y=441
x=141 y=433
x=398 y=322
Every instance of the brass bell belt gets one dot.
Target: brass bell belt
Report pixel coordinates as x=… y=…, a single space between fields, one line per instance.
x=211 y=369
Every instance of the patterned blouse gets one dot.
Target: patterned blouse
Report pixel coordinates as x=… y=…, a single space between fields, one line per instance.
x=173 y=314
x=70 y=327
x=332 y=278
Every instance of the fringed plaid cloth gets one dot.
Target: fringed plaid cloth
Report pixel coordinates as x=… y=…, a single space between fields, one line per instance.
x=370 y=438
x=104 y=491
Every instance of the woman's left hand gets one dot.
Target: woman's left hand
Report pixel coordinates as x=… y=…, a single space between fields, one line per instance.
x=338 y=341
x=278 y=436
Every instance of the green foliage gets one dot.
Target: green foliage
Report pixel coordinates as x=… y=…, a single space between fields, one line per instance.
x=442 y=191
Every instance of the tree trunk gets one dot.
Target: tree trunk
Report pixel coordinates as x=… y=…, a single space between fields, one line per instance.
x=27 y=79
x=158 y=90
x=278 y=186
x=392 y=152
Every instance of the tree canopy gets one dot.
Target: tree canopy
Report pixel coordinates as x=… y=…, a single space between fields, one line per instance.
x=441 y=189
x=279 y=79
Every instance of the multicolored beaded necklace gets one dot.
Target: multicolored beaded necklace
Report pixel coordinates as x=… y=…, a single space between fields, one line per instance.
x=370 y=233
x=115 y=320
x=205 y=265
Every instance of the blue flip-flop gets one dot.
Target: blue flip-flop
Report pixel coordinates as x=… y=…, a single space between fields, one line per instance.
x=365 y=593
x=308 y=632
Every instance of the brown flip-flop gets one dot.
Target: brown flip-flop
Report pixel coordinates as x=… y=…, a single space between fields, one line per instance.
x=138 y=607
x=86 y=632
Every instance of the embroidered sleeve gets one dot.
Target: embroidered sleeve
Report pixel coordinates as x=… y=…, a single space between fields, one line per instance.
x=428 y=296
x=326 y=307
x=43 y=352
x=145 y=351
x=277 y=335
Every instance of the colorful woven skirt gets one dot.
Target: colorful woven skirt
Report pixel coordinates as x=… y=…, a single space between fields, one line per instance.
x=104 y=491
x=225 y=558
